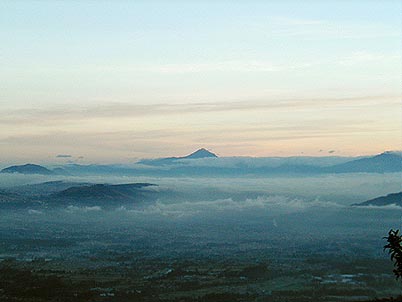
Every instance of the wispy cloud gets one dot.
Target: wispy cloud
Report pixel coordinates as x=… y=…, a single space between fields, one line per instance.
x=63 y=156
x=57 y=114
x=126 y=130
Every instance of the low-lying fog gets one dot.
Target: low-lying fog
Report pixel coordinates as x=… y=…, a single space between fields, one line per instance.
x=343 y=189
x=229 y=211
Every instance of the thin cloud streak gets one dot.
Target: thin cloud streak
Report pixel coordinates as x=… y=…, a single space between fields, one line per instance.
x=55 y=115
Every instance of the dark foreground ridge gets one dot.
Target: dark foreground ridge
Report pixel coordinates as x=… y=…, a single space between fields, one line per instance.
x=117 y=276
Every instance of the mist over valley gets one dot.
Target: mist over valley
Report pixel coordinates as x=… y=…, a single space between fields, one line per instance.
x=255 y=222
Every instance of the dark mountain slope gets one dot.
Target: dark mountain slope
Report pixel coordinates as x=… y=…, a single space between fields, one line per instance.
x=393 y=198
x=104 y=194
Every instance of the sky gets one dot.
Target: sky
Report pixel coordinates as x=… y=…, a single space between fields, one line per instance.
x=115 y=81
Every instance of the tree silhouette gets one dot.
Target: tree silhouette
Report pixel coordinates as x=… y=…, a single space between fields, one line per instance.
x=394 y=248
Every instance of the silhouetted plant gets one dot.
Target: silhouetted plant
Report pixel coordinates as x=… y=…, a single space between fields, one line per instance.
x=394 y=248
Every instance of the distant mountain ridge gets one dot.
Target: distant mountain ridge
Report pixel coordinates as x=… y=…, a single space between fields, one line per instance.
x=28 y=169
x=205 y=163
x=381 y=163
x=200 y=153
x=384 y=162
x=390 y=199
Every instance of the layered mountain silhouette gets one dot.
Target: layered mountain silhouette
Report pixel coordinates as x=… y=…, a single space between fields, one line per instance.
x=381 y=163
x=205 y=163
x=390 y=199
x=28 y=169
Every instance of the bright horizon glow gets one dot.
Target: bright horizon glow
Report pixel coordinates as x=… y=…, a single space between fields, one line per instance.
x=114 y=81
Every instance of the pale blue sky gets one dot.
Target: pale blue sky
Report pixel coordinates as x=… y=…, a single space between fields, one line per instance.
x=65 y=60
